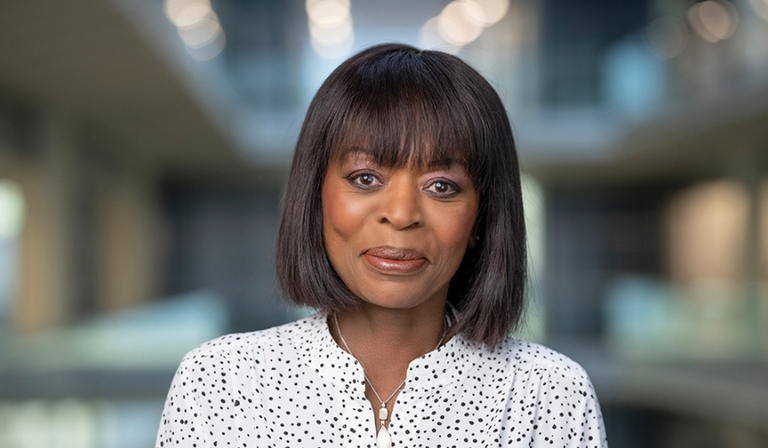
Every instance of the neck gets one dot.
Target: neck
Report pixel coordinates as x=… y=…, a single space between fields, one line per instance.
x=382 y=338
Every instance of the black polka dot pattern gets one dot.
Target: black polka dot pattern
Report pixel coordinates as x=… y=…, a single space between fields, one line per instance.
x=293 y=386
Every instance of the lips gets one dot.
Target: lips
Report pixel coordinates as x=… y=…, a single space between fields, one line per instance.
x=394 y=260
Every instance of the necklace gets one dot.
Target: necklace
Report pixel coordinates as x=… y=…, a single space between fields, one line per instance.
x=383 y=439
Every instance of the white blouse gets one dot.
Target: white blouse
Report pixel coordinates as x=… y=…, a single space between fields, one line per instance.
x=293 y=386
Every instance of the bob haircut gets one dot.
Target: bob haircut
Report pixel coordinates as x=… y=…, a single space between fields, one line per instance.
x=405 y=105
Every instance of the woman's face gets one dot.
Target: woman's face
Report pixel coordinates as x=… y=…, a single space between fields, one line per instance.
x=397 y=236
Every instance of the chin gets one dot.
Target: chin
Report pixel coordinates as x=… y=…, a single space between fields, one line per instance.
x=400 y=301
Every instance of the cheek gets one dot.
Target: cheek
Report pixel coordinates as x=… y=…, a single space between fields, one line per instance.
x=344 y=222
x=457 y=233
x=341 y=218
x=455 y=229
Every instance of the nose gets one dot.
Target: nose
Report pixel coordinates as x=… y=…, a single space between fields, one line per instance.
x=401 y=204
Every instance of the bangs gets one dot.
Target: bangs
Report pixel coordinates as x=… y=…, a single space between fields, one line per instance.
x=406 y=116
x=399 y=137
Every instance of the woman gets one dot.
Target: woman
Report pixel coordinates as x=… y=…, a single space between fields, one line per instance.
x=402 y=223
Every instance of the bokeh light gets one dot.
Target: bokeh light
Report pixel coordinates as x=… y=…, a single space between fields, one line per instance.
x=331 y=35
x=713 y=20
x=187 y=12
x=760 y=7
x=328 y=12
x=707 y=232
x=330 y=27
x=210 y=50
x=430 y=38
x=193 y=14
x=198 y=26
x=493 y=10
x=201 y=34
x=12 y=209
x=460 y=22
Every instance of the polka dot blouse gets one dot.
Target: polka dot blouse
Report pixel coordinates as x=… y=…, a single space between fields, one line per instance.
x=293 y=386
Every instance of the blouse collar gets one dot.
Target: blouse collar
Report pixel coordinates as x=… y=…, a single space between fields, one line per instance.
x=435 y=369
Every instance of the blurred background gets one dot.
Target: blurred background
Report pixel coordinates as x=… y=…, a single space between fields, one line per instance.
x=144 y=145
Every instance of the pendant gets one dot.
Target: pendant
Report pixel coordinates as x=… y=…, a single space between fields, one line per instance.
x=383 y=439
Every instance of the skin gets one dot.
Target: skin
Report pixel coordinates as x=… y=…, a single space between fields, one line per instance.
x=429 y=212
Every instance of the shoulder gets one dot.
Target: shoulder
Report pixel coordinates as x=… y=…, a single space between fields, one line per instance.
x=249 y=347
x=530 y=364
x=546 y=381
x=539 y=356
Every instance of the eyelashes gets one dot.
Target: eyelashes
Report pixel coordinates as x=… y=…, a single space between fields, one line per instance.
x=364 y=180
x=443 y=188
x=440 y=188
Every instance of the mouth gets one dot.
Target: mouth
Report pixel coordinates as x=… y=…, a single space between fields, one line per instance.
x=395 y=260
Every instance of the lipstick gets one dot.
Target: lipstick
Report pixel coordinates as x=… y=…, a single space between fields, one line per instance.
x=395 y=260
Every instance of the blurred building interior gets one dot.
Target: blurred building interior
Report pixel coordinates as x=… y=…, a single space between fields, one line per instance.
x=144 y=145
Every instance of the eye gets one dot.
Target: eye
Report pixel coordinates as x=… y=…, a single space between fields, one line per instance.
x=364 y=180
x=442 y=188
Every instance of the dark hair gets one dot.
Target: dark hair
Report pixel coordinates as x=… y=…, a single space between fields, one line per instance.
x=406 y=104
